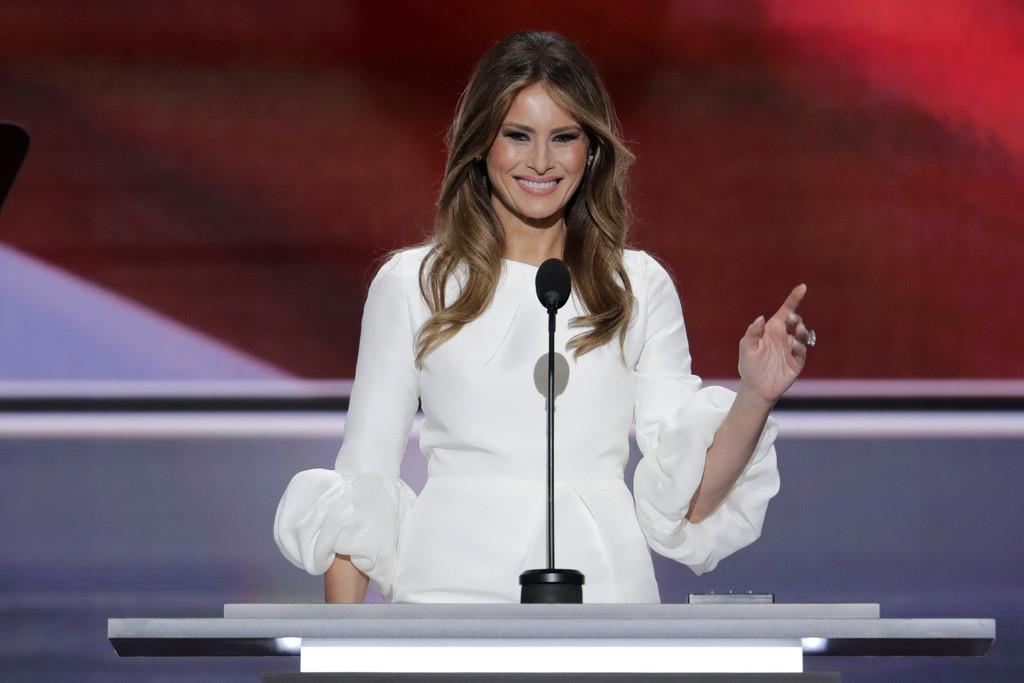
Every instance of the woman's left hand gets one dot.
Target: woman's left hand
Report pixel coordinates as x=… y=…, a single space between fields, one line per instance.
x=773 y=353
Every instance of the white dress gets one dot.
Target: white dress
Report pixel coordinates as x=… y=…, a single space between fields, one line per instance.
x=481 y=517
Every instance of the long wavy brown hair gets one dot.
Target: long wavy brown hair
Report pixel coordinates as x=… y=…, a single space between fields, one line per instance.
x=466 y=228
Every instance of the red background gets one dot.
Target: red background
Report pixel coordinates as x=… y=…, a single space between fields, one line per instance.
x=240 y=166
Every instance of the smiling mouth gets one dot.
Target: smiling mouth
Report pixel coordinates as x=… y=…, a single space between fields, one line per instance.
x=538 y=185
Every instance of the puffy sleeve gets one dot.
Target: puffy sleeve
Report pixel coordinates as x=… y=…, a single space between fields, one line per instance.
x=358 y=508
x=676 y=420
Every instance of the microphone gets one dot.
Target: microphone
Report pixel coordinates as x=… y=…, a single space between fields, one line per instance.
x=553 y=283
x=14 y=141
x=552 y=585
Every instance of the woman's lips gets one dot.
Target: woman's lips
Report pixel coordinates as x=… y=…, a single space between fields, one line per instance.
x=538 y=188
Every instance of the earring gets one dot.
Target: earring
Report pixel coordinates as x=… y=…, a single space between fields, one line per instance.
x=478 y=158
x=590 y=158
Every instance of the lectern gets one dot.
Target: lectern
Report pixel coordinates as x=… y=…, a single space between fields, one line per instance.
x=635 y=642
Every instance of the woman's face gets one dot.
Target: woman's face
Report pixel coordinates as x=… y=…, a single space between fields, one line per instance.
x=537 y=159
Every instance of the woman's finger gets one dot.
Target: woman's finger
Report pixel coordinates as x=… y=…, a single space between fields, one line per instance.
x=799 y=350
x=791 y=302
x=754 y=332
x=792 y=321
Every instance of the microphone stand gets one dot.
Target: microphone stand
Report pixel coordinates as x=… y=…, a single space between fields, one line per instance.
x=551 y=585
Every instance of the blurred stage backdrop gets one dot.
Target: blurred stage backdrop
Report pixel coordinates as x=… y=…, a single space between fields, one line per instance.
x=211 y=187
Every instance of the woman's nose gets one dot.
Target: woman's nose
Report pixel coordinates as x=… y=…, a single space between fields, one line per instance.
x=539 y=163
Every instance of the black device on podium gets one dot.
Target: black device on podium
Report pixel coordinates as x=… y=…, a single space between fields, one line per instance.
x=551 y=585
x=13 y=148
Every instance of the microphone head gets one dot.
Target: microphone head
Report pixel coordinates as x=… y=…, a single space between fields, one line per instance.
x=553 y=283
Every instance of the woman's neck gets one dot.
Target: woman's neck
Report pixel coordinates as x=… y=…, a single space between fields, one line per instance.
x=527 y=239
x=534 y=245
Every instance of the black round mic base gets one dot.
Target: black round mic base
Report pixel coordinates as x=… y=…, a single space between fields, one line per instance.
x=551 y=586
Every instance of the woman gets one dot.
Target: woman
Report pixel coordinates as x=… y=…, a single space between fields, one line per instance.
x=536 y=170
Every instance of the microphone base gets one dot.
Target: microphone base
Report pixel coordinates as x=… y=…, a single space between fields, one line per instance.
x=551 y=586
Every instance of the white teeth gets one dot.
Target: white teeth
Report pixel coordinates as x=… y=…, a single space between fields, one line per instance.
x=539 y=186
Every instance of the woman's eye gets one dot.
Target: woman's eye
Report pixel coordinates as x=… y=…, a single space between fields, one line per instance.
x=522 y=137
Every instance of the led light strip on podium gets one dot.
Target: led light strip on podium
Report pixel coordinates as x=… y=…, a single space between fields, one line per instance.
x=606 y=638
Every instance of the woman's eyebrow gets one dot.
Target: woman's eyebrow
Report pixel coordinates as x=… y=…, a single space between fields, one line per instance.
x=530 y=130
